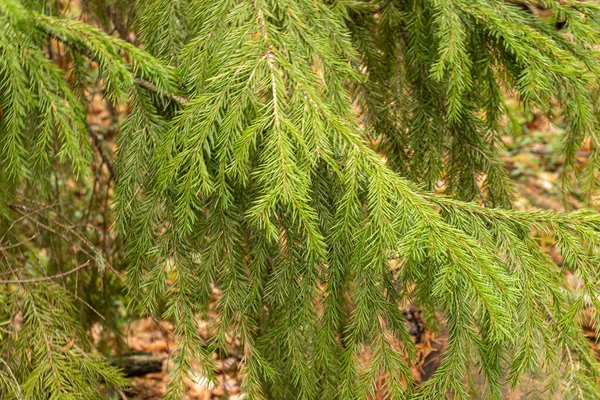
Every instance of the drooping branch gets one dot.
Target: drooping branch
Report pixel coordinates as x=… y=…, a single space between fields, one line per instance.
x=142 y=82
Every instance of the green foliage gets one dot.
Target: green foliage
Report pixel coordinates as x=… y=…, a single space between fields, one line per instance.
x=46 y=360
x=284 y=154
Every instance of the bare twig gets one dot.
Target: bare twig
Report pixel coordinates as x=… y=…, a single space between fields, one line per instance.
x=105 y=219
x=46 y=278
x=165 y=332
x=88 y=211
x=118 y=24
x=12 y=271
x=67 y=239
x=105 y=160
x=43 y=208
x=88 y=305
x=10 y=246
x=121 y=394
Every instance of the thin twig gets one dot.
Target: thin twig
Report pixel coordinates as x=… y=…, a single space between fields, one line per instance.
x=54 y=231
x=88 y=305
x=11 y=246
x=105 y=219
x=68 y=240
x=165 y=332
x=121 y=394
x=45 y=207
x=46 y=278
x=105 y=160
x=11 y=272
x=118 y=24
x=88 y=211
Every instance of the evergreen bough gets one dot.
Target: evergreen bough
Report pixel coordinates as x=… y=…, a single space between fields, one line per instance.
x=314 y=166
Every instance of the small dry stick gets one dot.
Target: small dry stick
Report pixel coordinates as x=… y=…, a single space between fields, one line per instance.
x=46 y=278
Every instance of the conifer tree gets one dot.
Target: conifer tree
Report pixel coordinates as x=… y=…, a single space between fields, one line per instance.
x=305 y=168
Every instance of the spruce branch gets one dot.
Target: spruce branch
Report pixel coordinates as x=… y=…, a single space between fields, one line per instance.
x=47 y=24
x=152 y=87
x=255 y=195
